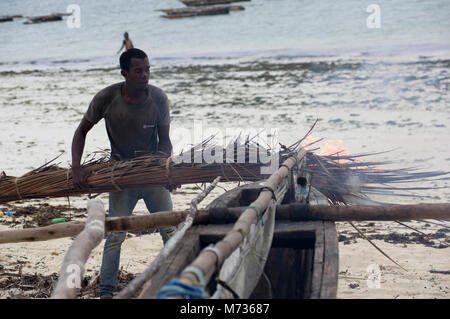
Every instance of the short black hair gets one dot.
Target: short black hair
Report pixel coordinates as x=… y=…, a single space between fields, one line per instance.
x=125 y=58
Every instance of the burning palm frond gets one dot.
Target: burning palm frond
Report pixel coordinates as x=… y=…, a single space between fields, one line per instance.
x=341 y=176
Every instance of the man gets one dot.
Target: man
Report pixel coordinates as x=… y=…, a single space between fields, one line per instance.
x=126 y=43
x=137 y=120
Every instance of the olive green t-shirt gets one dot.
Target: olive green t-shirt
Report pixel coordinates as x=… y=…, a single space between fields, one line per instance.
x=131 y=128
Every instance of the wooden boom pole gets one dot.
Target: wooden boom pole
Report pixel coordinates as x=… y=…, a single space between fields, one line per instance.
x=284 y=212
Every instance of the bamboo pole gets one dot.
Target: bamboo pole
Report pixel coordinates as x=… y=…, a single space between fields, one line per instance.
x=174 y=218
x=207 y=260
x=41 y=233
x=72 y=269
x=136 y=284
x=112 y=224
x=71 y=229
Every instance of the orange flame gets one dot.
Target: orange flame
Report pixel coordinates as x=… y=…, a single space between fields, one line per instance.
x=335 y=148
x=331 y=148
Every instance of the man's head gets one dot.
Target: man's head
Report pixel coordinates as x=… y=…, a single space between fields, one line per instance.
x=135 y=68
x=125 y=35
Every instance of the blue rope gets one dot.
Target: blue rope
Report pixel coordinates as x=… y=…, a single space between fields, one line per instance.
x=176 y=288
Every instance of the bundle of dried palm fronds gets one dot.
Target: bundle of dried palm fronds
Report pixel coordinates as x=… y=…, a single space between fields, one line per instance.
x=150 y=170
x=334 y=175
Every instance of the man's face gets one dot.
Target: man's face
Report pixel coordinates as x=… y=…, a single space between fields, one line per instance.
x=138 y=74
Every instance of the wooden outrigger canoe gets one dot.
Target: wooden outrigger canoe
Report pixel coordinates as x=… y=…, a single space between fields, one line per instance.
x=193 y=12
x=9 y=18
x=254 y=254
x=47 y=18
x=279 y=259
x=197 y=3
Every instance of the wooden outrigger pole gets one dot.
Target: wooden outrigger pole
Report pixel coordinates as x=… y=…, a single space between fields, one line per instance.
x=294 y=212
x=72 y=269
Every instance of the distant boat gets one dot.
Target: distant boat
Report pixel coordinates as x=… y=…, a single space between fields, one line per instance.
x=198 y=11
x=46 y=18
x=9 y=18
x=196 y=3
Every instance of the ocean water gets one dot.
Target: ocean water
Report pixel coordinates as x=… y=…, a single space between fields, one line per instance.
x=278 y=65
x=265 y=27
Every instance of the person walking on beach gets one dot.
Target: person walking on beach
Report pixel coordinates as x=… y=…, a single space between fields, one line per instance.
x=137 y=120
x=126 y=43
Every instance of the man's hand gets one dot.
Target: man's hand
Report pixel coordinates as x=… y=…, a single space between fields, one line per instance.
x=79 y=178
x=80 y=175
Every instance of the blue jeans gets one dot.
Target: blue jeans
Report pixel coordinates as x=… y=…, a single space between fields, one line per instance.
x=122 y=204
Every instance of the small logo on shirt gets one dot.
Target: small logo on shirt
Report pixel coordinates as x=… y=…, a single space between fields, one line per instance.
x=147 y=126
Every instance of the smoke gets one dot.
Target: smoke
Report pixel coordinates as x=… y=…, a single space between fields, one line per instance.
x=354 y=183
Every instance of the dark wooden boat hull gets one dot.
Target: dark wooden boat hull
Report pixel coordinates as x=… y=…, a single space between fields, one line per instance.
x=195 y=11
x=302 y=261
x=198 y=3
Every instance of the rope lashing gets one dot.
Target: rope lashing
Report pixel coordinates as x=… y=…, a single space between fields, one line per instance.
x=168 y=161
x=113 y=180
x=267 y=188
x=216 y=251
x=198 y=273
x=177 y=288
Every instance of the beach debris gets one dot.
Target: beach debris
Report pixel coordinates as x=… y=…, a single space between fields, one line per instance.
x=47 y=18
x=25 y=286
x=353 y=285
x=41 y=215
x=58 y=220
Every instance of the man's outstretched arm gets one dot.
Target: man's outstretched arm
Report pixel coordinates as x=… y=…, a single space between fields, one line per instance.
x=79 y=175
